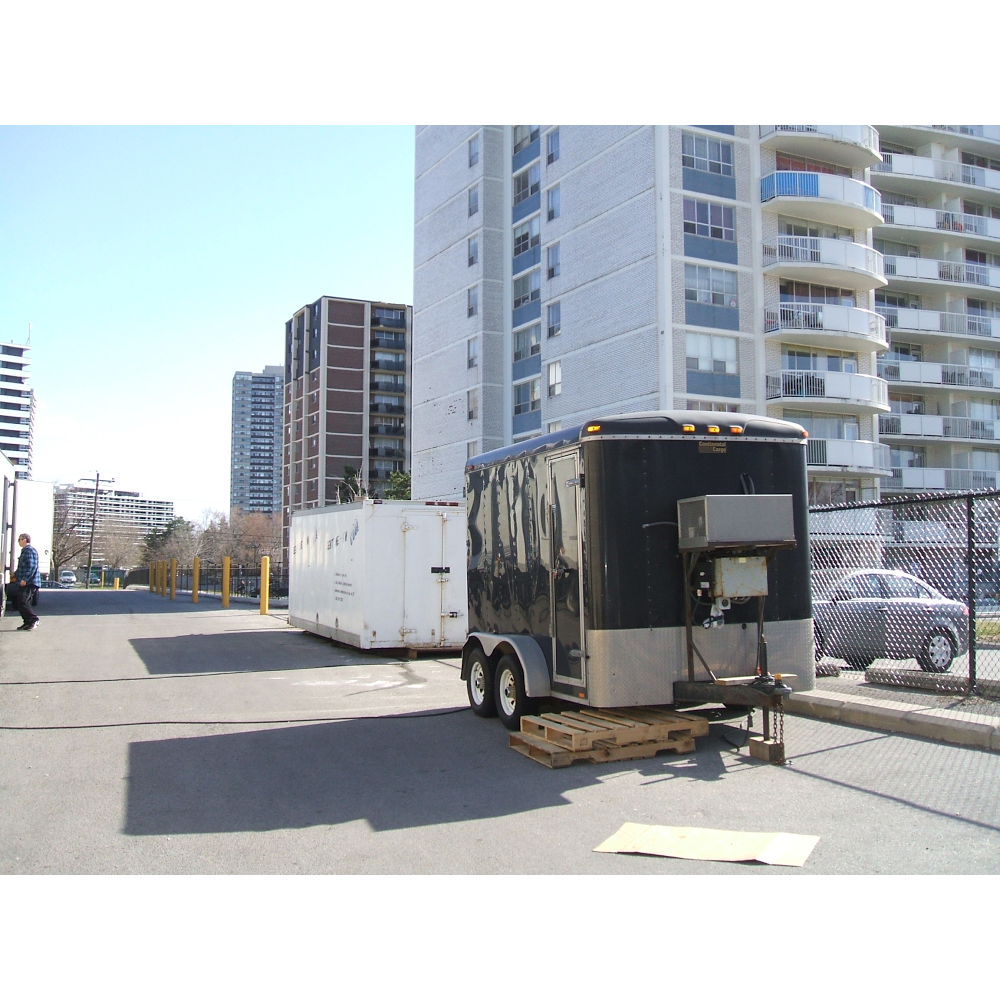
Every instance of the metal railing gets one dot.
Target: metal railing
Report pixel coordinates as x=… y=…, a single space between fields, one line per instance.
x=924 y=478
x=861 y=135
x=928 y=168
x=864 y=456
x=928 y=218
x=931 y=321
x=933 y=373
x=932 y=426
x=929 y=269
x=820 y=250
x=846 y=386
x=820 y=316
x=809 y=184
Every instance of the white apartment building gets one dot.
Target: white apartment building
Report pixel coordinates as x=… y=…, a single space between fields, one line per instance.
x=119 y=506
x=17 y=408
x=564 y=272
x=940 y=187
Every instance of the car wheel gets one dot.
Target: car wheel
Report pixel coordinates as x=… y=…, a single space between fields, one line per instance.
x=480 y=685
x=511 y=700
x=938 y=652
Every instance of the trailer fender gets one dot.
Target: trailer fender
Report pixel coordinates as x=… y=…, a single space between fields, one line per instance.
x=524 y=647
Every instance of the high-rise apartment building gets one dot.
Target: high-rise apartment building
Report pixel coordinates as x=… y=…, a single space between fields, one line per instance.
x=940 y=187
x=255 y=464
x=347 y=399
x=117 y=506
x=17 y=408
x=562 y=272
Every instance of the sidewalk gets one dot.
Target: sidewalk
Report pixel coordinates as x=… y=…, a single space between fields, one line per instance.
x=948 y=718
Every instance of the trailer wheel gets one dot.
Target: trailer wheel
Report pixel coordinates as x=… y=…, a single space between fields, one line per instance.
x=511 y=701
x=482 y=697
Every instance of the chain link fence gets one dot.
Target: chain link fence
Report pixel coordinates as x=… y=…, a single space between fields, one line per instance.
x=908 y=590
x=244 y=580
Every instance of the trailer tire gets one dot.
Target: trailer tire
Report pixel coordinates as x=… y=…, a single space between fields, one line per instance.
x=510 y=699
x=479 y=684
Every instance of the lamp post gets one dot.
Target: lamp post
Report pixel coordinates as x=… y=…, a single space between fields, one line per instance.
x=93 y=523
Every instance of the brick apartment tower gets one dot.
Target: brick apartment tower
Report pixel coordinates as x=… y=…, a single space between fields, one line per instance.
x=347 y=399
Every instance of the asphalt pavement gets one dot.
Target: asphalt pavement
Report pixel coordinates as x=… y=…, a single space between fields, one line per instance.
x=147 y=736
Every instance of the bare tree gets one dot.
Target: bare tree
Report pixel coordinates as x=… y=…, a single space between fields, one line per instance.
x=118 y=543
x=68 y=539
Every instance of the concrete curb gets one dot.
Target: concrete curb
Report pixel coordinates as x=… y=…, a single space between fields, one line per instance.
x=940 y=724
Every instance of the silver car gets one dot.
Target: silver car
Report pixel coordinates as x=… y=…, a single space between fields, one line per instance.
x=885 y=614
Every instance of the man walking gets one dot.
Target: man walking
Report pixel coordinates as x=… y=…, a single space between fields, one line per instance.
x=26 y=582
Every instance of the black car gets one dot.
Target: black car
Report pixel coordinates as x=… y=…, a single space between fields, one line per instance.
x=885 y=614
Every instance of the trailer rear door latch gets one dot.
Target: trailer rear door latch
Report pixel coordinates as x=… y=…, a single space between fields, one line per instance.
x=440 y=569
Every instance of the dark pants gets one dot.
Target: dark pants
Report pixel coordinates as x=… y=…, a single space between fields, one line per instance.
x=22 y=601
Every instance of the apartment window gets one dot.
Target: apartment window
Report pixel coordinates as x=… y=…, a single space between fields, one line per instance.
x=555 y=378
x=554 y=260
x=701 y=404
x=473 y=250
x=552 y=146
x=907 y=402
x=553 y=203
x=473 y=300
x=802 y=227
x=711 y=285
x=899 y=351
x=785 y=162
x=471 y=449
x=473 y=150
x=528 y=396
x=804 y=292
x=554 y=425
x=526 y=236
x=473 y=200
x=472 y=403
x=524 y=136
x=832 y=426
x=708 y=218
x=527 y=342
x=818 y=360
x=555 y=319
x=526 y=183
x=527 y=288
x=708 y=353
x=713 y=156
x=908 y=458
x=472 y=352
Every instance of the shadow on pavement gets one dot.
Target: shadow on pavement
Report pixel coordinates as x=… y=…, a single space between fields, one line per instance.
x=395 y=772
x=122 y=602
x=254 y=650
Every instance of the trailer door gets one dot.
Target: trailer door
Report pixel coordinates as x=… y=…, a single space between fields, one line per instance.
x=566 y=580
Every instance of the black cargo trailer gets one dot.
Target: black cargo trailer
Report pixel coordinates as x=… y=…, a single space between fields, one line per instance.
x=577 y=581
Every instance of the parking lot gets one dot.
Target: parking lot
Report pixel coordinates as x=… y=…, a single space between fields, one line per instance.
x=143 y=735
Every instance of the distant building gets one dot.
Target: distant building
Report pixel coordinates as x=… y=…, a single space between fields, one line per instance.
x=121 y=506
x=347 y=399
x=17 y=408
x=255 y=464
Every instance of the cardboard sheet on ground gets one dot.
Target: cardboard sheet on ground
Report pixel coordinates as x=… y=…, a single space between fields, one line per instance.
x=696 y=844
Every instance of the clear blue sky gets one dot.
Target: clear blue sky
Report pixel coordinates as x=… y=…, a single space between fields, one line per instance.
x=155 y=262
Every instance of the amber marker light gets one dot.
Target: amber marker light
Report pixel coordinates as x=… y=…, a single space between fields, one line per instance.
x=712 y=429
x=805 y=434
x=593 y=428
x=687 y=428
x=735 y=430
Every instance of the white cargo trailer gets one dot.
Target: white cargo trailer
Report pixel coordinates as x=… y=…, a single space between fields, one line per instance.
x=380 y=574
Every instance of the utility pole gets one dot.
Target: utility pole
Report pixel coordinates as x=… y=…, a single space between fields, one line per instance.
x=93 y=524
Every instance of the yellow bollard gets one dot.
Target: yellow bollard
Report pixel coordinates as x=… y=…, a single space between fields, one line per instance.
x=152 y=577
x=161 y=576
x=225 y=581
x=265 y=583
x=195 y=579
x=115 y=582
x=102 y=579
x=173 y=578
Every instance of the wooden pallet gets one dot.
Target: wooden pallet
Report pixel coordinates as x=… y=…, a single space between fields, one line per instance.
x=561 y=739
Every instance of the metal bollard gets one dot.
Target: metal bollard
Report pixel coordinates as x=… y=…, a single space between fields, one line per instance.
x=115 y=583
x=152 y=577
x=173 y=578
x=195 y=579
x=225 y=581
x=265 y=583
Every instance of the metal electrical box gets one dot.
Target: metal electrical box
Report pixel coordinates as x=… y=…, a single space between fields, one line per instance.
x=740 y=576
x=735 y=521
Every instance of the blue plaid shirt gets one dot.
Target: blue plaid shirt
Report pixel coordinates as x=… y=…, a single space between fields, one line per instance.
x=27 y=567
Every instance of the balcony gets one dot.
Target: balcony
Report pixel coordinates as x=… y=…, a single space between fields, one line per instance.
x=922 y=479
x=923 y=425
x=932 y=220
x=852 y=145
x=945 y=323
x=386 y=430
x=839 y=391
x=840 y=201
x=825 y=261
x=903 y=270
x=932 y=373
x=386 y=453
x=911 y=173
x=388 y=341
x=382 y=365
x=859 y=457
x=842 y=328
x=387 y=408
x=379 y=386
